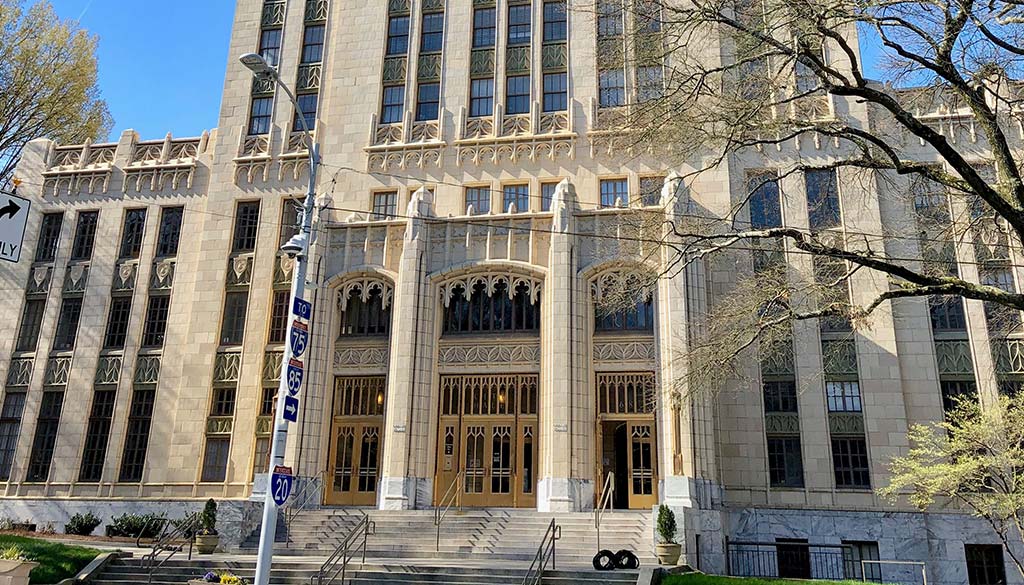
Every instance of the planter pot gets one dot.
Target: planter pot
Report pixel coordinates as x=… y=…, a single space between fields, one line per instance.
x=15 y=572
x=207 y=543
x=23 y=526
x=668 y=553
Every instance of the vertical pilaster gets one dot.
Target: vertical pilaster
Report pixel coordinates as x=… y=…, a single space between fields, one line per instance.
x=406 y=422
x=560 y=489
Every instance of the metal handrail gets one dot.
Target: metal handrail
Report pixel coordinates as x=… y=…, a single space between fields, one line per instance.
x=337 y=563
x=187 y=529
x=301 y=498
x=603 y=504
x=545 y=552
x=451 y=495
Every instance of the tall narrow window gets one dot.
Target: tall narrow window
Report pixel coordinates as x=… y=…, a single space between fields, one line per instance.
x=132 y=233
x=233 y=327
x=85 y=235
x=850 y=462
x=156 y=321
x=956 y=391
x=223 y=401
x=823 y=199
x=31 y=321
x=170 y=232
x=398 y=35
x=291 y=212
x=947 y=313
x=519 y=24
x=365 y=318
x=517 y=94
x=650 y=83
x=67 y=324
x=279 y=316
x=49 y=236
x=556 y=92
x=270 y=46
x=97 y=435
x=650 y=190
x=313 y=44
x=555 y=29
x=780 y=396
x=45 y=437
x=259 y=116
x=785 y=463
x=385 y=205
x=481 y=97
x=612 y=90
x=638 y=317
x=857 y=551
x=393 y=104
x=10 y=429
x=614 y=192
x=765 y=204
x=428 y=100
x=483 y=28
x=479 y=198
x=117 y=322
x=247 y=223
x=136 y=443
x=843 y=396
x=308 y=103
x=609 y=18
x=432 y=36
x=518 y=195
x=215 y=459
x=547 y=195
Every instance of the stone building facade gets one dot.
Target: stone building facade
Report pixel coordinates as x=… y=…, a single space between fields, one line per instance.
x=475 y=204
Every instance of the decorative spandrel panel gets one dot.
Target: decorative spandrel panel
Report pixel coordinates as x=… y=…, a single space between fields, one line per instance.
x=483 y=238
x=1009 y=356
x=365 y=243
x=58 y=370
x=109 y=370
x=839 y=357
x=20 y=372
x=954 y=357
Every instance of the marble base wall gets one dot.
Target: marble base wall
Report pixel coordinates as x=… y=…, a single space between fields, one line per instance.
x=559 y=494
x=236 y=519
x=936 y=539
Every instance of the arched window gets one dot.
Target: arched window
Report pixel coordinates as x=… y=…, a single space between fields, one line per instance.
x=364 y=318
x=499 y=311
x=636 y=318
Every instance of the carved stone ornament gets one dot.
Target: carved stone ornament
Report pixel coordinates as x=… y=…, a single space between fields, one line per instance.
x=624 y=351
x=622 y=279
x=360 y=356
x=467 y=283
x=493 y=354
x=365 y=288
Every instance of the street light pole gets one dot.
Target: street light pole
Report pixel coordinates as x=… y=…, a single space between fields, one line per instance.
x=298 y=248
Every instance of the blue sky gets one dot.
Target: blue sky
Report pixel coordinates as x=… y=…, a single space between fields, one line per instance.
x=161 y=63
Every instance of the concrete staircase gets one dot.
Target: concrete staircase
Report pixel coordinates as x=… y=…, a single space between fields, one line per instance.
x=496 y=534
x=299 y=572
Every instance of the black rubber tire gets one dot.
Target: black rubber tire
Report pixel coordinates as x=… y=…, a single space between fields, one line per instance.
x=625 y=559
x=604 y=560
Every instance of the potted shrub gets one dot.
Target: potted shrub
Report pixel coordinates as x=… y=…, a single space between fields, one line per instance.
x=207 y=538
x=223 y=577
x=15 y=566
x=667 y=550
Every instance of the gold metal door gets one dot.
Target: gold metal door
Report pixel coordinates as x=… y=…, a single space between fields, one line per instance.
x=488 y=462
x=355 y=465
x=643 y=480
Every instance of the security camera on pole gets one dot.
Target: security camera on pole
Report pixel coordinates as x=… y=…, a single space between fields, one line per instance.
x=293 y=369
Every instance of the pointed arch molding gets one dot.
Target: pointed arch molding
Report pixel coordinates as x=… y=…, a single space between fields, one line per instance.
x=365 y=286
x=490 y=280
x=637 y=278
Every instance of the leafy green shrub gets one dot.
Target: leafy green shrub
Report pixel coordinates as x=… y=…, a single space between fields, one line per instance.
x=82 y=524
x=12 y=553
x=131 y=525
x=666 y=524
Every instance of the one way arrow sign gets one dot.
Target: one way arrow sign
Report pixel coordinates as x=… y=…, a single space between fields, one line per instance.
x=13 y=218
x=291 y=409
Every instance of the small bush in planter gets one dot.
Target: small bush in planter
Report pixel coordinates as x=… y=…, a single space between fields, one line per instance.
x=208 y=519
x=82 y=524
x=13 y=553
x=666 y=524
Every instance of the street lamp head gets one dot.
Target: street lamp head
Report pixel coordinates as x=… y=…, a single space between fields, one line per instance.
x=294 y=246
x=258 y=65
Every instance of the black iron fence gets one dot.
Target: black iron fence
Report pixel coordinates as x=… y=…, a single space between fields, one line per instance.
x=791 y=559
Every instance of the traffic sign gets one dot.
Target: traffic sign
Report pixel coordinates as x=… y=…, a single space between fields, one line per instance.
x=294 y=376
x=302 y=309
x=281 y=486
x=291 y=409
x=13 y=218
x=299 y=338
